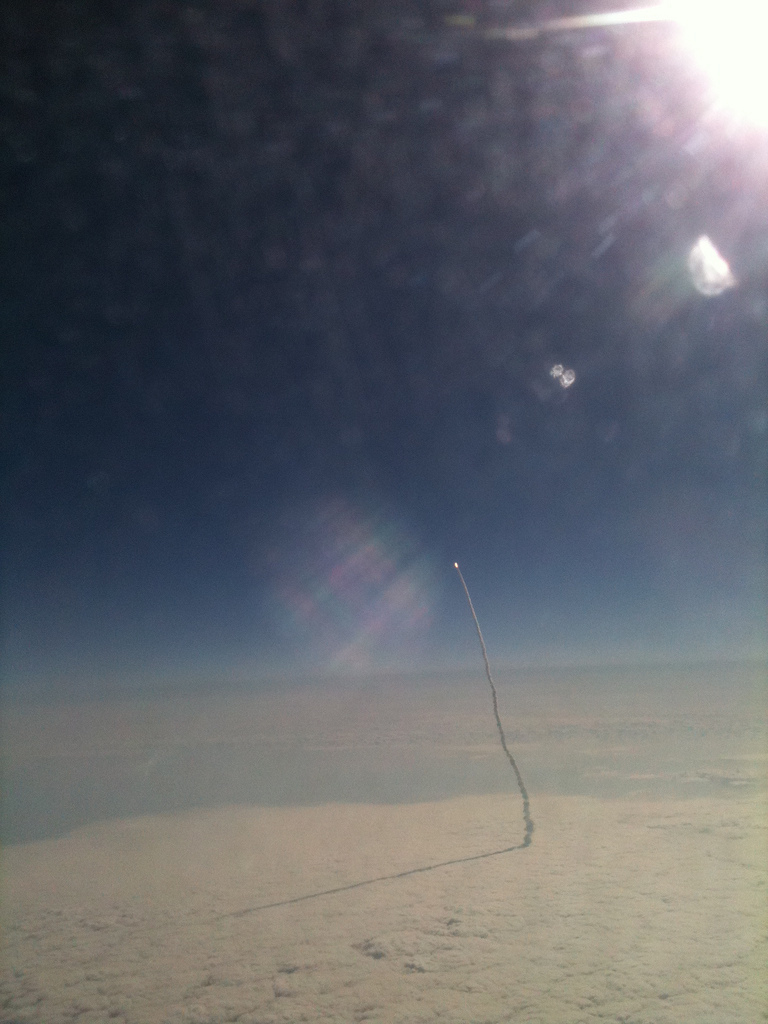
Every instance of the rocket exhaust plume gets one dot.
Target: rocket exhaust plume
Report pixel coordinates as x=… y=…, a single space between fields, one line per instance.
x=520 y=784
x=337 y=890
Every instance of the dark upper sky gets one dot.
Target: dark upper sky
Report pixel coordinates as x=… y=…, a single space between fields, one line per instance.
x=283 y=288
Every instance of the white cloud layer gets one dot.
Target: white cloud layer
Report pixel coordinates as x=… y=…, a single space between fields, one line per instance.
x=645 y=907
x=621 y=910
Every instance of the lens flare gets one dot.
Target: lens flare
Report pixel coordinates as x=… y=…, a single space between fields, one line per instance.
x=352 y=584
x=709 y=272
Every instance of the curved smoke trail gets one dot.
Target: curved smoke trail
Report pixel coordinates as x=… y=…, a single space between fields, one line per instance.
x=505 y=748
x=427 y=867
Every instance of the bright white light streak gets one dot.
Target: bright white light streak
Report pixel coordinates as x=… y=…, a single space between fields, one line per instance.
x=728 y=39
x=630 y=17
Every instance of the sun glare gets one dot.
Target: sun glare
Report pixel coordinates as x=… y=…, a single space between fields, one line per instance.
x=730 y=41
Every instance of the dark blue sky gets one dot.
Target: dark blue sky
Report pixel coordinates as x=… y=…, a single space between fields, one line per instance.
x=284 y=287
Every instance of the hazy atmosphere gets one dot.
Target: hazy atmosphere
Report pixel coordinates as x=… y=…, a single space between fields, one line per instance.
x=304 y=301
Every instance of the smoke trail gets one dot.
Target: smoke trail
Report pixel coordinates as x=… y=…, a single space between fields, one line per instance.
x=372 y=881
x=515 y=769
x=427 y=867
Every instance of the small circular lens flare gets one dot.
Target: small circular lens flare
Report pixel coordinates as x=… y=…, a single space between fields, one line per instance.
x=565 y=377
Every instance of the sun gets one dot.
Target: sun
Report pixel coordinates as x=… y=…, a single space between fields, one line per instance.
x=730 y=42
x=727 y=38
